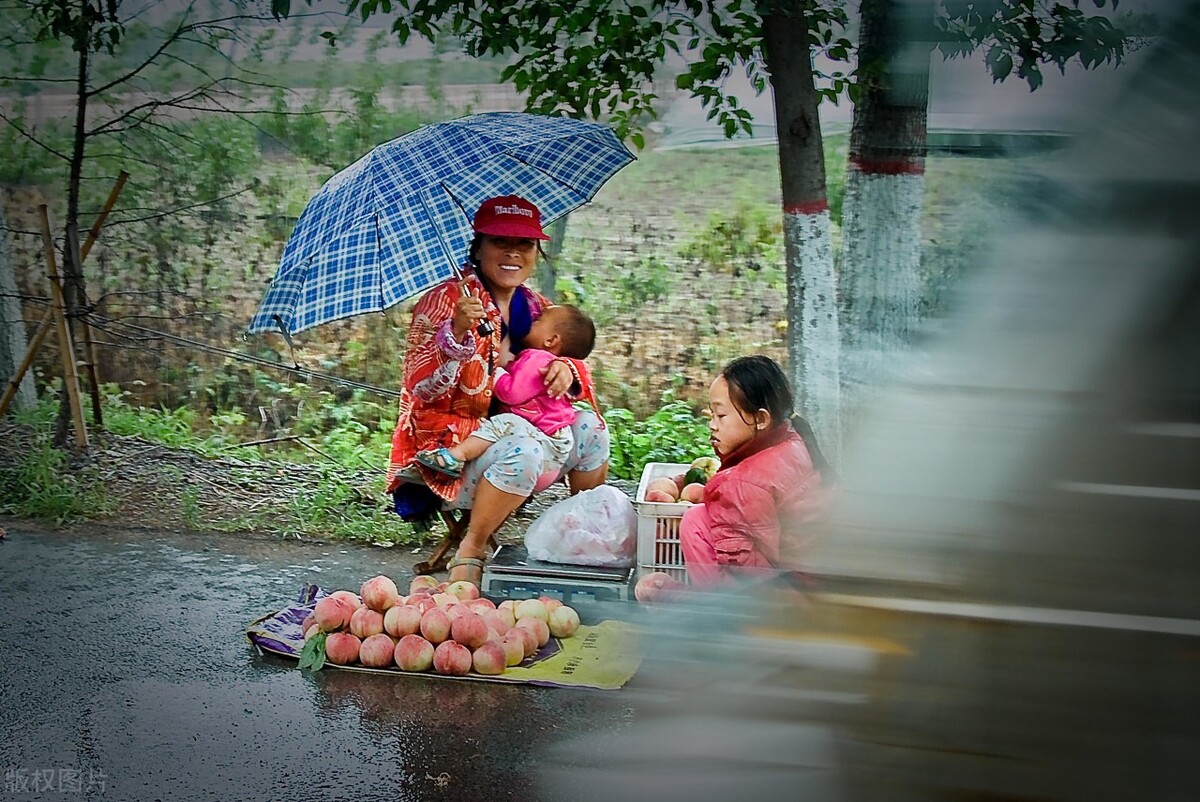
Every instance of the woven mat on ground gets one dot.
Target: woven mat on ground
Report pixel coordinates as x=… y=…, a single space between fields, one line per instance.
x=603 y=656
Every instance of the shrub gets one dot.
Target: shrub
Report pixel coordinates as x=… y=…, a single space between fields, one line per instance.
x=674 y=433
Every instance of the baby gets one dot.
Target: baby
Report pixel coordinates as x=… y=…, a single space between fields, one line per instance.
x=560 y=331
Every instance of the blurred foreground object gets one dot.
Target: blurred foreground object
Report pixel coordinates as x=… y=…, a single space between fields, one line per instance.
x=1008 y=603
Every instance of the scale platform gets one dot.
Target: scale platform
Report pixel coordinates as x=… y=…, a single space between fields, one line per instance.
x=511 y=574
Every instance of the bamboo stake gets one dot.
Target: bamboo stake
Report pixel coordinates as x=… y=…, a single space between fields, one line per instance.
x=94 y=233
x=43 y=328
x=65 y=347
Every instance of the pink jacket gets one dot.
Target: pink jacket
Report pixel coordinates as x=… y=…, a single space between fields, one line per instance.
x=761 y=502
x=521 y=388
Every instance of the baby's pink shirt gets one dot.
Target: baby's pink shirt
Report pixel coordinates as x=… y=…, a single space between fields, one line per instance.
x=522 y=390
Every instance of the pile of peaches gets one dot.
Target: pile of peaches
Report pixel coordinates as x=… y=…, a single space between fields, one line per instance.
x=672 y=490
x=446 y=627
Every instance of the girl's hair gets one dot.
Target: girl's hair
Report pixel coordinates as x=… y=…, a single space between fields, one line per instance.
x=757 y=382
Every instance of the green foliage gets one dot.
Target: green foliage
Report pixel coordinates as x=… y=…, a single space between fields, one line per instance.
x=744 y=237
x=674 y=433
x=337 y=506
x=312 y=656
x=45 y=486
x=168 y=427
x=623 y=289
x=594 y=58
x=1027 y=34
x=25 y=162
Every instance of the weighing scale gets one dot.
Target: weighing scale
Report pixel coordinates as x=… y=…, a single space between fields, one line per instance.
x=512 y=574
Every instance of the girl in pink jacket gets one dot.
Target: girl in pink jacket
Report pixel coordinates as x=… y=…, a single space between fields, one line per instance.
x=526 y=408
x=771 y=485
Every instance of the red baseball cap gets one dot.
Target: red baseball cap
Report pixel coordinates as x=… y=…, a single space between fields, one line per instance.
x=509 y=216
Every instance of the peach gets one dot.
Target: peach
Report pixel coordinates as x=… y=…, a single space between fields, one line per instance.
x=693 y=493
x=377 y=651
x=489 y=658
x=539 y=627
x=550 y=602
x=333 y=613
x=480 y=604
x=656 y=586
x=531 y=608
x=366 y=622
x=659 y=497
x=349 y=596
x=341 y=648
x=496 y=620
x=422 y=581
x=380 y=593
x=463 y=590
x=425 y=604
x=509 y=604
x=510 y=618
x=402 y=620
x=470 y=630
x=663 y=485
x=452 y=658
x=444 y=599
x=435 y=625
x=313 y=629
x=441 y=586
x=680 y=480
x=309 y=620
x=414 y=653
x=418 y=593
x=563 y=621
x=529 y=639
x=453 y=611
x=647 y=587
x=513 y=644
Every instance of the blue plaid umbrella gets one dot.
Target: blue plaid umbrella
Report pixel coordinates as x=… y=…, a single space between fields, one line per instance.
x=398 y=220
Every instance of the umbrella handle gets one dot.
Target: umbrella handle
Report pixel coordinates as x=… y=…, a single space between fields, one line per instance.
x=484 y=328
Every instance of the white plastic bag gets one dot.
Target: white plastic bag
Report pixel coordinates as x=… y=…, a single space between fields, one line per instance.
x=595 y=527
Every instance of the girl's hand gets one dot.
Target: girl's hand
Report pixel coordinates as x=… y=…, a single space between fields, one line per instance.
x=468 y=310
x=559 y=378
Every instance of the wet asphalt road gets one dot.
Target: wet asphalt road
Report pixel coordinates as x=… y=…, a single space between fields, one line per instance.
x=127 y=677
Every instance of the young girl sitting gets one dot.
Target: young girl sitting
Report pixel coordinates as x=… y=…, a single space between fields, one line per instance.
x=771 y=484
x=526 y=407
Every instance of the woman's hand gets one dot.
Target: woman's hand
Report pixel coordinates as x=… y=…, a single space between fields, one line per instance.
x=559 y=378
x=468 y=310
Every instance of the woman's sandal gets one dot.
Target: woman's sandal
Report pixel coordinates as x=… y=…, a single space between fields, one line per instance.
x=474 y=574
x=441 y=460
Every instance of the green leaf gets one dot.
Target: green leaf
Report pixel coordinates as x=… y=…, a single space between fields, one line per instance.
x=312 y=656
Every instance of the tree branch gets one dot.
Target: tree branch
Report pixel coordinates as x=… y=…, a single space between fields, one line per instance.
x=20 y=130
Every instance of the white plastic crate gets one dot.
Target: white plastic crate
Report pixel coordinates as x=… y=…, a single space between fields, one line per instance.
x=658 y=524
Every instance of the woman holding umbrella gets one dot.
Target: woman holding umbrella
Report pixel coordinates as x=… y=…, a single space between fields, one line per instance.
x=459 y=331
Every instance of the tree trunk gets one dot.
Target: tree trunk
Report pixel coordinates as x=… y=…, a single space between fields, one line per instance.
x=880 y=274
x=547 y=271
x=13 y=342
x=74 y=294
x=813 y=345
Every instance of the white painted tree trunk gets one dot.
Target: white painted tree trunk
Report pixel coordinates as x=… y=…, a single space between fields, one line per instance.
x=881 y=272
x=12 y=326
x=814 y=350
